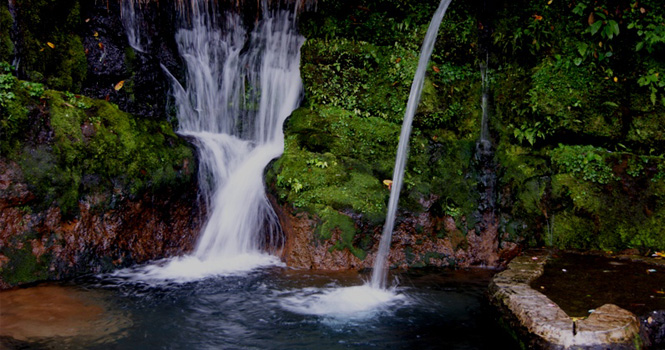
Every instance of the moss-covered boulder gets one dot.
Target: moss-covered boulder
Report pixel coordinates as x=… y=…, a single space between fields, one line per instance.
x=86 y=187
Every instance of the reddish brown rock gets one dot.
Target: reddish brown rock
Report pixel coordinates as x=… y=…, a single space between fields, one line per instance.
x=418 y=240
x=155 y=225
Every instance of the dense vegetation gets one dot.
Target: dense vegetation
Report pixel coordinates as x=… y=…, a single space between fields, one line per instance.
x=576 y=119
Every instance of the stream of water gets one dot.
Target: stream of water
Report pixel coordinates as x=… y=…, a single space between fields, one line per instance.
x=380 y=263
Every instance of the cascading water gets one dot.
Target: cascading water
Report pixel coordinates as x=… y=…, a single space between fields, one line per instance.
x=484 y=124
x=234 y=106
x=239 y=89
x=132 y=22
x=379 y=269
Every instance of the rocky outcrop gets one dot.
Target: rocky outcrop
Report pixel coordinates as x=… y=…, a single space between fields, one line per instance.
x=47 y=245
x=541 y=324
x=415 y=243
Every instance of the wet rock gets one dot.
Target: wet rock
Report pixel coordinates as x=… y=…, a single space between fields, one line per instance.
x=303 y=250
x=45 y=245
x=111 y=60
x=416 y=242
x=653 y=329
x=541 y=324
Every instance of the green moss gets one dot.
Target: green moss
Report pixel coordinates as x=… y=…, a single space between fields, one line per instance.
x=23 y=266
x=98 y=148
x=339 y=177
x=331 y=221
x=6 y=44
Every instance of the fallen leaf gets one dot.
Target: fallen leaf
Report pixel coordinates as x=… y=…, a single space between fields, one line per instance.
x=591 y=19
x=398 y=60
x=101 y=45
x=616 y=80
x=549 y=2
x=87 y=20
x=388 y=183
x=659 y=254
x=119 y=85
x=538 y=17
x=51 y=45
x=96 y=34
x=436 y=69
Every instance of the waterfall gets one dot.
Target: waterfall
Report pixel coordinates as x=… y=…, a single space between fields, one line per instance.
x=484 y=124
x=240 y=88
x=379 y=269
x=132 y=22
x=240 y=85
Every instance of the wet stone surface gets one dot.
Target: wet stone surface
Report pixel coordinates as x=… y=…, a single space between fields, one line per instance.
x=540 y=323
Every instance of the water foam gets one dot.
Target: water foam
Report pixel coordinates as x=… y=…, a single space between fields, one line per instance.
x=343 y=303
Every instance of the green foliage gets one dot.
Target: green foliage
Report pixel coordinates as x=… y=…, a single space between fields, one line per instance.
x=653 y=81
x=349 y=80
x=13 y=113
x=51 y=53
x=585 y=162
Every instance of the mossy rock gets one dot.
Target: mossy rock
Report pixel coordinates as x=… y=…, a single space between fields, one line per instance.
x=6 y=43
x=23 y=266
x=98 y=148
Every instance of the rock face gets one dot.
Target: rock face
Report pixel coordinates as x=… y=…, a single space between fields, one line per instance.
x=415 y=243
x=46 y=245
x=541 y=324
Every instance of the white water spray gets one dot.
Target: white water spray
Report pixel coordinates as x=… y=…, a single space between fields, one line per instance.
x=240 y=87
x=379 y=269
x=234 y=105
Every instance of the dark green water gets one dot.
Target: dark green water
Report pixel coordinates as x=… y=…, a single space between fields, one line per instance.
x=436 y=309
x=579 y=283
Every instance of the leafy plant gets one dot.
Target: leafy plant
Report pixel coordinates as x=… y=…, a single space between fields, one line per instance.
x=585 y=162
x=654 y=82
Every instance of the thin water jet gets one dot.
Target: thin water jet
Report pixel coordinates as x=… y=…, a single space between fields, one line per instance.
x=380 y=263
x=368 y=299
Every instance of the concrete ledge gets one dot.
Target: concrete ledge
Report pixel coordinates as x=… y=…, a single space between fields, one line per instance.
x=541 y=324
